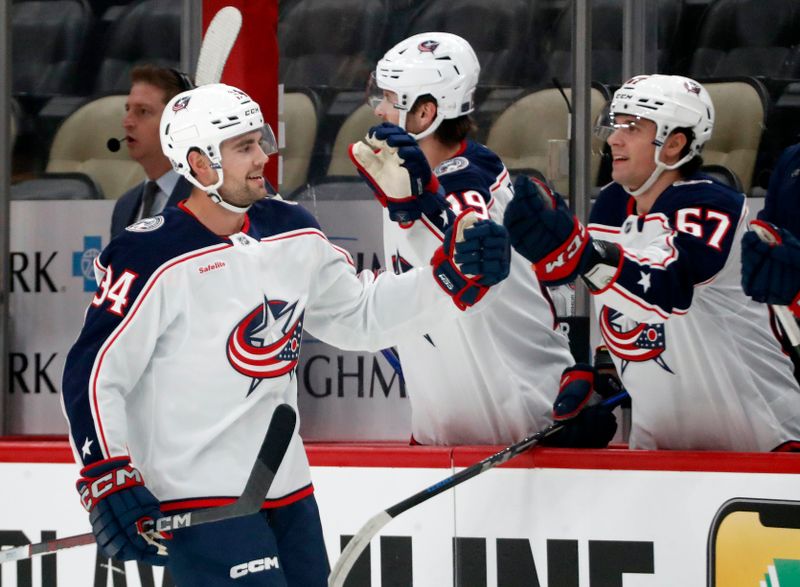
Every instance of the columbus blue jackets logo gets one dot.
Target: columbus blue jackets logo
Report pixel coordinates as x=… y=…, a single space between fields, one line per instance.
x=181 y=104
x=266 y=343
x=692 y=87
x=642 y=342
x=428 y=46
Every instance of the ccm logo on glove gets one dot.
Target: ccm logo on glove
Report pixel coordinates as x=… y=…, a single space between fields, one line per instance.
x=105 y=485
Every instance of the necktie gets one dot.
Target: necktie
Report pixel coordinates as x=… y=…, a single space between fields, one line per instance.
x=148 y=197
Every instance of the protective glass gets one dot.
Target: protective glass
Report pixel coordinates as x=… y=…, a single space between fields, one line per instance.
x=606 y=124
x=267 y=141
x=375 y=95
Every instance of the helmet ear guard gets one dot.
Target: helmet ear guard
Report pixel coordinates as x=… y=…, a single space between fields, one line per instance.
x=442 y=65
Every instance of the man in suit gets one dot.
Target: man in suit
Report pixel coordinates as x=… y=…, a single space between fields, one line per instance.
x=151 y=88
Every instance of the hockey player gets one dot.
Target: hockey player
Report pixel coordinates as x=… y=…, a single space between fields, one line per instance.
x=491 y=377
x=661 y=259
x=192 y=340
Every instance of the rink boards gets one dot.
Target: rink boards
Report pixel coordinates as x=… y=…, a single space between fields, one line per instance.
x=549 y=518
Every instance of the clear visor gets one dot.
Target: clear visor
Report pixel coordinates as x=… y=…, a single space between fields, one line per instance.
x=376 y=95
x=267 y=141
x=606 y=124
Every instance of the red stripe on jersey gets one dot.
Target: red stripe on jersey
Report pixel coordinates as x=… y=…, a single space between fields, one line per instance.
x=213 y=502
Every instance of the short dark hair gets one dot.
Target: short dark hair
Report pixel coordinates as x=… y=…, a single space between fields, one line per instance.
x=694 y=164
x=166 y=79
x=452 y=131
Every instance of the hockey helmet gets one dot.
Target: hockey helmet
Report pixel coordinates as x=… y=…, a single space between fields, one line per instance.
x=443 y=65
x=200 y=120
x=671 y=102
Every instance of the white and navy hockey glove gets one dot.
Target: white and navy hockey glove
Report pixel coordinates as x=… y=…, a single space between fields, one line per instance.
x=119 y=506
x=394 y=166
x=474 y=256
x=544 y=231
x=771 y=270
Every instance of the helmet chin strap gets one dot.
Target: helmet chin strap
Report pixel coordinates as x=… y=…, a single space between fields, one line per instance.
x=216 y=198
x=428 y=131
x=213 y=193
x=661 y=167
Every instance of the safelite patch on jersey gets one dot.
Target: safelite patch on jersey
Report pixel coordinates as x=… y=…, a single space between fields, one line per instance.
x=451 y=165
x=146 y=224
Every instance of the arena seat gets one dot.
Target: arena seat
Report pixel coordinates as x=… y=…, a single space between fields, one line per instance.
x=80 y=145
x=300 y=117
x=147 y=31
x=741 y=107
x=606 y=40
x=521 y=133
x=354 y=129
x=748 y=37
x=57 y=186
x=331 y=43
x=499 y=32
x=48 y=40
x=723 y=175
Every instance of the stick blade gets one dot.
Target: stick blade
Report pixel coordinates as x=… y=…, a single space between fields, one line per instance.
x=217 y=44
x=355 y=547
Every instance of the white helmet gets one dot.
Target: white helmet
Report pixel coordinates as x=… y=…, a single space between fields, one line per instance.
x=440 y=64
x=201 y=119
x=672 y=102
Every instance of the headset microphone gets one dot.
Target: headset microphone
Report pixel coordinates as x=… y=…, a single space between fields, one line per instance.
x=114 y=145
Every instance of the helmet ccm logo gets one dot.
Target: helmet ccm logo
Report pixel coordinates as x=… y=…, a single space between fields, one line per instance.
x=428 y=46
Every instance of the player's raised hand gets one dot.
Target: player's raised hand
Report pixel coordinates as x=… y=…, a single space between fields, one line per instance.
x=394 y=166
x=545 y=232
x=771 y=270
x=474 y=256
x=114 y=494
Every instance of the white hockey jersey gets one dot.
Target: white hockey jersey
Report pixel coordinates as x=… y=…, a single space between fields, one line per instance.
x=489 y=377
x=698 y=356
x=193 y=339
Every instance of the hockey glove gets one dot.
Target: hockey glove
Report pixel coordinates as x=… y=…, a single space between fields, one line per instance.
x=474 y=256
x=546 y=233
x=394 y=166
x=588 y=424
x=113 y=493
x=771 y=271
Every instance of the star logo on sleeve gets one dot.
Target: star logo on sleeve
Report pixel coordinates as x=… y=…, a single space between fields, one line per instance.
x=644 y=281
x=86 y=450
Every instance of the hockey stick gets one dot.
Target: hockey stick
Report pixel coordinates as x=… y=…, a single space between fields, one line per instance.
x=217 y=44
x=362 y=538
x=785 y=317
x=270 y=455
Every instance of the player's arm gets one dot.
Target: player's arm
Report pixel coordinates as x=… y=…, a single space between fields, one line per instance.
x=771 y=270
x=368 y=312
x=107 y=358
x=649 y=284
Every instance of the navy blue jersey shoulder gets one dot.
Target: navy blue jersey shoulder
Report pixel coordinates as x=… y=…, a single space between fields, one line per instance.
x=699 y=192
x=148 y=244
x=269 y=217
x=476 y=168
x=612 y=207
